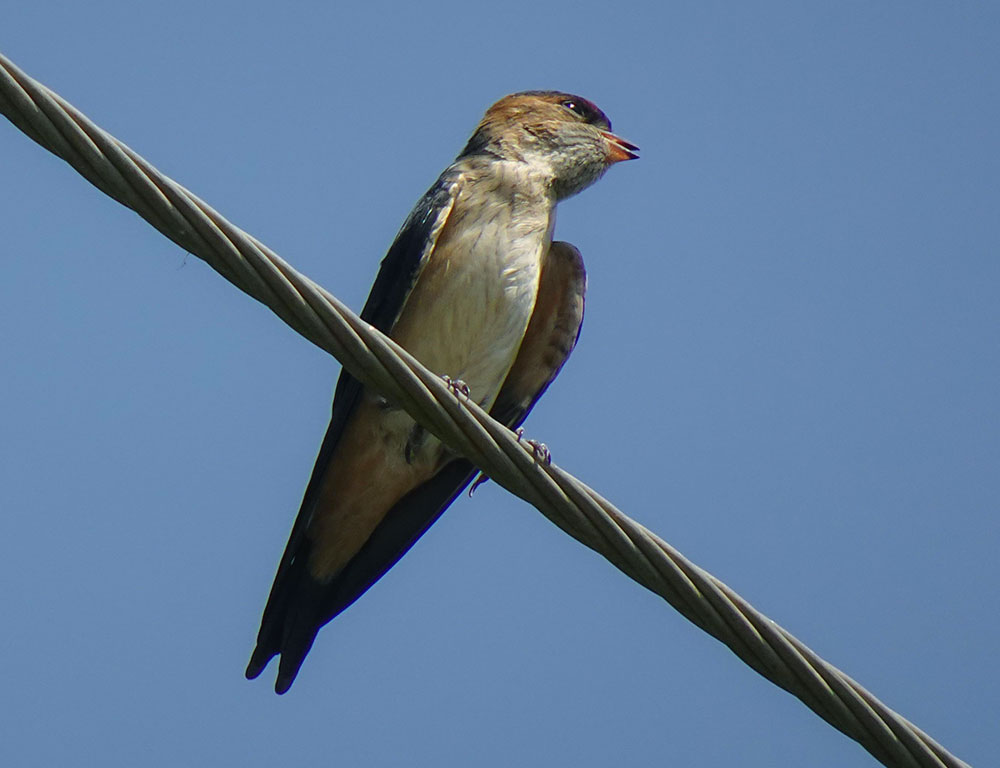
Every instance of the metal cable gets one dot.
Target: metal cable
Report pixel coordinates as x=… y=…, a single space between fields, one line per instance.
x=378 y=362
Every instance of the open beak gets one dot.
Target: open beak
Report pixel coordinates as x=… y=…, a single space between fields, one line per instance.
x=619 y=149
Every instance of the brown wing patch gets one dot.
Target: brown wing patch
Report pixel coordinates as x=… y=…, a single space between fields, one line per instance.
x=551 y=334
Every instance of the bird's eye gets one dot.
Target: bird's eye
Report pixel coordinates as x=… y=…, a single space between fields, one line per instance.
x=575 y=107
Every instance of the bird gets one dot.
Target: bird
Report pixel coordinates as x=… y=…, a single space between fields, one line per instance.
x=477 y=290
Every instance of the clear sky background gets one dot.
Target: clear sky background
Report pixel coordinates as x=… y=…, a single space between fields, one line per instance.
x=789 y=370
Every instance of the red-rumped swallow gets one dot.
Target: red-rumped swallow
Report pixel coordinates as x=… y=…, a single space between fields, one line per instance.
x=474 y=287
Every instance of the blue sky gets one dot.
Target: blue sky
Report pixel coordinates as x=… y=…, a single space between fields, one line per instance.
x=789 y=370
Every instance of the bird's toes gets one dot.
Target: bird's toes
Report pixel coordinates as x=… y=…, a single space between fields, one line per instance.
x=539 y=450
x=457 y=386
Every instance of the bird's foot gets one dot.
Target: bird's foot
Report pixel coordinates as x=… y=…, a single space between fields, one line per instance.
x=481 y=478
x=457 y=386
x=539 y=449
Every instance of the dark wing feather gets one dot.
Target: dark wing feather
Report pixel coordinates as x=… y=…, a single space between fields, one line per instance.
x=549 y=340
x=550 y=337
x=397 y=274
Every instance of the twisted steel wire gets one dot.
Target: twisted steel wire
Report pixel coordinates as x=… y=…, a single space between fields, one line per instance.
x=378 y=362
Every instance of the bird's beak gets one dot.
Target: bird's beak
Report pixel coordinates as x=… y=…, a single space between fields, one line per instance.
x=619 y=149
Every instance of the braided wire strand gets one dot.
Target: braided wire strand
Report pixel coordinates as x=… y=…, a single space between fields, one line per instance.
x=378 y=362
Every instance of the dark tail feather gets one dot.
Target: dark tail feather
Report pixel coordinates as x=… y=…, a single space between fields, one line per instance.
x=299 y=606
x=295 y=613
x=258 y=660
x=289 y=624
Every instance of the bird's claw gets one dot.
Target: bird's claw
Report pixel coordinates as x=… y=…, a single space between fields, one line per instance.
x=457 y=386
x=481 y=478
x=539 y=449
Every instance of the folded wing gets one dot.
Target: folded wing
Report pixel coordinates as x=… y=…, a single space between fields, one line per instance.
x=299 y=605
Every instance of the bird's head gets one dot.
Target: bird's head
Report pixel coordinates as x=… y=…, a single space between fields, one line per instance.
x=563 y=135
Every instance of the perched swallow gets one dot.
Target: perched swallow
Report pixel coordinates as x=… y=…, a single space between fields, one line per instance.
x=474 y=287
